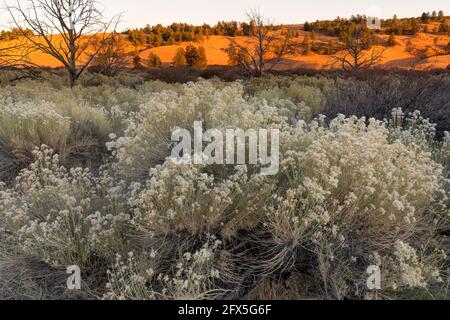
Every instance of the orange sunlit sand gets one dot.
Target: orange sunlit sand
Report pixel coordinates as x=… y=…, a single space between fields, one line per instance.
x=421 y=56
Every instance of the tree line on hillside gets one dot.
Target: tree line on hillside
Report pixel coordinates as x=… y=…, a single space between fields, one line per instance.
x=340 y=27
x=254 y=60
x=434 y=16
x=160 y=35
x=411 y=26
x=14 y=34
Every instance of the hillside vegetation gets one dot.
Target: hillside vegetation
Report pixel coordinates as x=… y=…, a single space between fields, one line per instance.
x=424 y=49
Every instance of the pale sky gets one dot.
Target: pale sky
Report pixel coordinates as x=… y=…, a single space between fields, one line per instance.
x=138 y=13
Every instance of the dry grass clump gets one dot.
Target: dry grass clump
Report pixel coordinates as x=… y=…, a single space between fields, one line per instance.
x=377 y=95
x=305 y=92
x=24 y=126
x=77 y=133
x=351 y=192
x=74 y=123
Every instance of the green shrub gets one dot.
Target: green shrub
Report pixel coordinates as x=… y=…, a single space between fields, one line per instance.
x=154 y=61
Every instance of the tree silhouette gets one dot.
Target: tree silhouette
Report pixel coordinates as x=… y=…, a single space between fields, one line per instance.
x=110 y=54
x=65 y=29
x=267 y=51
x=180 y=58
x=154 y=61
x=357 y=56
x=196 y=57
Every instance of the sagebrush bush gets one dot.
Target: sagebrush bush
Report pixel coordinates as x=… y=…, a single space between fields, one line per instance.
x=351 y=192
x=347 y=186
x=348 y=195
x=69 y=214
x=182 y=198
x=146 y=142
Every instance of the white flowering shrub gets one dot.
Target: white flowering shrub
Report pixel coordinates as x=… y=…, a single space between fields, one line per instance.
x=443 y=152
x=350 y=193
x=412 y=128
x=347 y=186
x=308 y=101
x=63 y=216
x=183 y=198
x=147 y=139
x=191 y=276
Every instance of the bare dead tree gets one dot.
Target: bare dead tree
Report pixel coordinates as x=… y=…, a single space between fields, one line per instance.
x=63 y=29
x=356 y=55
x=268 y=50
x=109 y=55
x=12 y=55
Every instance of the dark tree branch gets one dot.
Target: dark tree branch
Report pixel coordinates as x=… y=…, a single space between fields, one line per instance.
x=356 y=56
x=265 y=54
x=63 y=29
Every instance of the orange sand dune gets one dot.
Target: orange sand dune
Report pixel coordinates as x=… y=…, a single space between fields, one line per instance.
x=421 y=55
x=434 y=63
x=215 y=47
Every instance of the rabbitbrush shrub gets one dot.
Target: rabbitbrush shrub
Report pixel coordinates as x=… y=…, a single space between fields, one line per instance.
x=351 y=192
